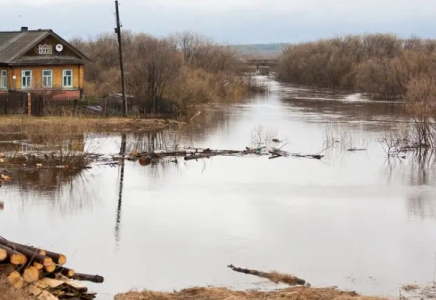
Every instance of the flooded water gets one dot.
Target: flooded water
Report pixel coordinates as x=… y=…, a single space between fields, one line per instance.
x=355 y=220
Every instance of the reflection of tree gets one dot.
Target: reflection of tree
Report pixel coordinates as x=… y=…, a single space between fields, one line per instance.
x=316 y=101
x=422 y=167
x=418 y=171
x=422 y=205
x=44 y=180
x=66 y=189
x=422 y=173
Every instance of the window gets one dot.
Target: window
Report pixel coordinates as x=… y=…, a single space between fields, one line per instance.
x=67 y=78
x=47 y=78
x=26 y=79
x=45 y=49
x=4 y=79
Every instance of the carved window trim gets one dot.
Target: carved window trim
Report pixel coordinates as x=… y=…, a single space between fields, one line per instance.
x=45 y=49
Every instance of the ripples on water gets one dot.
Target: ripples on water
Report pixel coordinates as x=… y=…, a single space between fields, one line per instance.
x=355 y=219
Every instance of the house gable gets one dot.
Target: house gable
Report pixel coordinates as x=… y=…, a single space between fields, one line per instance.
x=50 y=43
x=23 y=48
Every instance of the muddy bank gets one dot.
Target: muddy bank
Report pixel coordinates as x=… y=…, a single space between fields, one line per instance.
x=305 y=293
x=14 y=125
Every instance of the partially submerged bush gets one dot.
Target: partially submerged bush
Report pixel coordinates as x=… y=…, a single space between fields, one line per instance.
x=420 y=103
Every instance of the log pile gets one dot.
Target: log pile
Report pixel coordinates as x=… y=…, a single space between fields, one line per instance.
x=42 y=273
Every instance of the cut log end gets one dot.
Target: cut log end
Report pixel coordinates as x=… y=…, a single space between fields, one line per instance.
x=17 y=259
x=14 y=279
x=31 y=274
x=62 y=260
x=65 y=271
x=50 y=268
x=47 y=262
x=38 y=266
x=23 y=259
x=3 y=254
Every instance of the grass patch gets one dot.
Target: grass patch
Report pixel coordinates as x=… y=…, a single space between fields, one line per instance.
x=24 y=124
x=297 y=293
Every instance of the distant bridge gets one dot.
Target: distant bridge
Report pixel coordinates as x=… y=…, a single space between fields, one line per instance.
x=262 y=65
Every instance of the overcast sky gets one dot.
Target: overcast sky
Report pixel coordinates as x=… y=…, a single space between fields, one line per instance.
x=226 y=21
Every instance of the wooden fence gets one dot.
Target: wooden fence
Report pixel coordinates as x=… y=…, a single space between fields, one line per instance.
x=36 y=105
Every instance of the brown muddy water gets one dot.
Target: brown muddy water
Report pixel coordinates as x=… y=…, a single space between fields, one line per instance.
x=355 y=219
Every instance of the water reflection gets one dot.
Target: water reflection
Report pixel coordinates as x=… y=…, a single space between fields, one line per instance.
x=121 y=186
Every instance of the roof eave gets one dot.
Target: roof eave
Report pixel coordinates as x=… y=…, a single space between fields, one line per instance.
x=39 y=63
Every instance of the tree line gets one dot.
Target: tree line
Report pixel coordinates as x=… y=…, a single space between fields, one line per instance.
x=170 y=75
x=378 y=64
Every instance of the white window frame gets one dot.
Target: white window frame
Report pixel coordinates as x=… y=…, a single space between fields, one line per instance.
x=64 y=76
x=4 y=79
x=45 y=49
x=29 y=79
x=47 y=76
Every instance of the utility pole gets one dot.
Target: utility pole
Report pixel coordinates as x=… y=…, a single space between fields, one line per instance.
x=120 y=51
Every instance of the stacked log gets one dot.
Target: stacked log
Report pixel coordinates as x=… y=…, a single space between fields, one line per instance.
x=42 y=272
x=3 y=177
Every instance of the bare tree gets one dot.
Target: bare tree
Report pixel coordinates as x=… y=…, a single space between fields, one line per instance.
x=155 y=66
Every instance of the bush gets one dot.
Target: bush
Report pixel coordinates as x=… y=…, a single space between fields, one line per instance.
x=179 y=72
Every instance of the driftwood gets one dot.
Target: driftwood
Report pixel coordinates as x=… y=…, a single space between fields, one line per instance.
x=273 y=276
x=146 y=158
x=312 y=156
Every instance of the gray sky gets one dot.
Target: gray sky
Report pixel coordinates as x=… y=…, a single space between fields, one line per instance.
x=226 y=21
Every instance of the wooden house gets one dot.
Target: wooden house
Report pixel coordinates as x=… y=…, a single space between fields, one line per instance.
x=40 y=61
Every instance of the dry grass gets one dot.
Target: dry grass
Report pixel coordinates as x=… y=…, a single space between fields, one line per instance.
x=410 y=287
x=81 y=124
x=297 y=293
x=9 y=293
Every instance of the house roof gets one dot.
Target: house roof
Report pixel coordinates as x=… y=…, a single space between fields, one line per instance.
x=14 y=44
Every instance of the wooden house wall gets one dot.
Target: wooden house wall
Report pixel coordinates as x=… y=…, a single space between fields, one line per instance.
x=78 y=76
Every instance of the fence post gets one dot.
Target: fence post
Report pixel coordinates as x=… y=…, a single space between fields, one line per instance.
x=29 y=104
x=76 y=104
x=105 y=107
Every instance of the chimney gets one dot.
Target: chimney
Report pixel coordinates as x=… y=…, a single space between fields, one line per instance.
x=24 y=28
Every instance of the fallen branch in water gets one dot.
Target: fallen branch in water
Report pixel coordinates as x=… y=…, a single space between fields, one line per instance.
x=356 y=149
x=198 y=153
x=273 y=276
x=312 y=156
